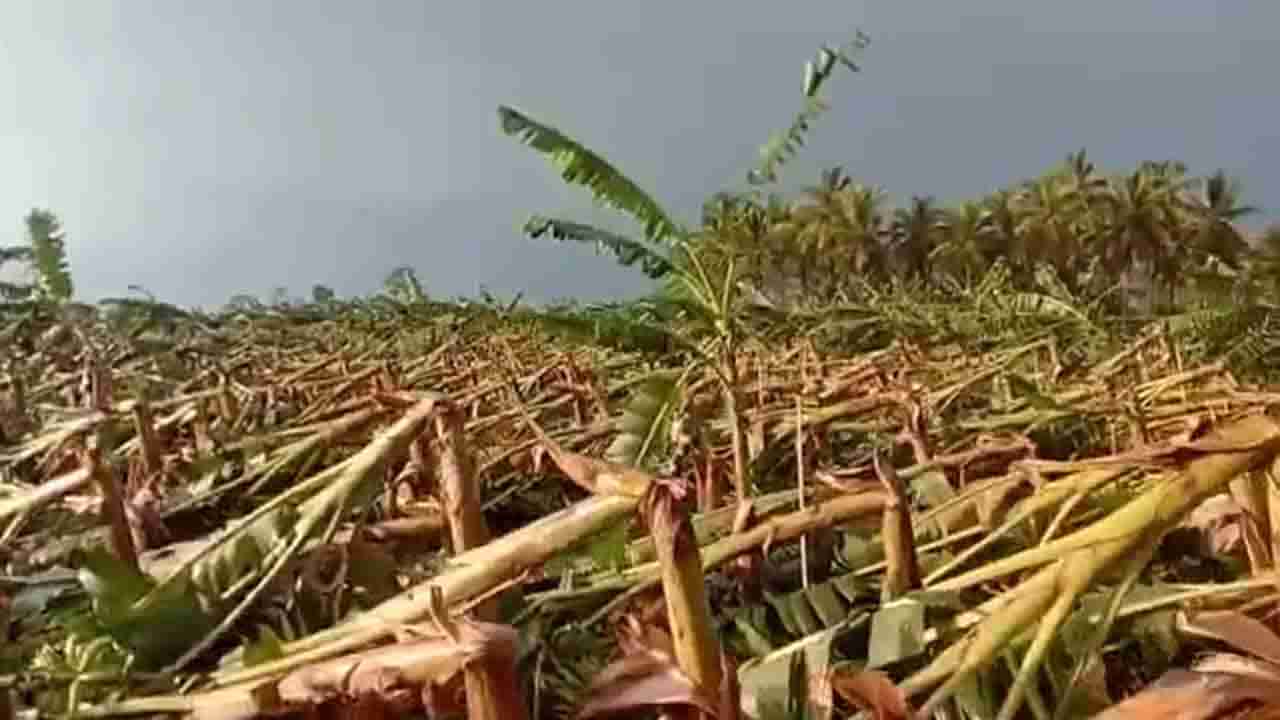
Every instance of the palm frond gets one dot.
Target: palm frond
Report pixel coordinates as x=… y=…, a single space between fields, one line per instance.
x=784 y=145
x=581 y=166
x=627 y=251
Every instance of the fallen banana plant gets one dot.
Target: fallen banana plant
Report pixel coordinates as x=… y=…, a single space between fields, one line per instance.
x=1071 y=564
x=240 y=565
x=394 y=678
x=465 y=577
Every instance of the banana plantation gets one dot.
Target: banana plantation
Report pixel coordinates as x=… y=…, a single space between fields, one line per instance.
x=1012 y=457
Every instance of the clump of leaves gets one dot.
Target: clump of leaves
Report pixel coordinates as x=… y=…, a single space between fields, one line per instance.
x=115 y=589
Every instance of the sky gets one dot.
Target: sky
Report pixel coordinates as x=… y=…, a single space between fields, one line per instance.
x=204 y=149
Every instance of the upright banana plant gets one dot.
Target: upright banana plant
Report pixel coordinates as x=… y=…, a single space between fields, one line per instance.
x=668 y=252
x=402 y=286
x=48 y=256
x=700 y=274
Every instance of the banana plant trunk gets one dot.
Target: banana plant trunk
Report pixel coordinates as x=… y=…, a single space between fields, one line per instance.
x=736 y=438
x=688 y=612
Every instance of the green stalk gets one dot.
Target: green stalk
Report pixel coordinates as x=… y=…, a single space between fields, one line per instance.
x=1157 y=509
x=328 y=505
x=1077 y=560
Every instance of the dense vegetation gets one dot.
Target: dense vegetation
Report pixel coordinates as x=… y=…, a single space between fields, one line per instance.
x=1006 y=458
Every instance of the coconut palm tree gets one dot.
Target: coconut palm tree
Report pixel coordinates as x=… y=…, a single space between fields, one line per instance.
x=1047 y=230
x=1263 y=268
x=1080 y=179
x=1213 y=210
x=822 y=235
x=966 y=248
x=1003 y=214
x=916 y=230
x=1140 y=229
x=752 y=230
x=863 y=213
x=838 y=234
x=741 y=225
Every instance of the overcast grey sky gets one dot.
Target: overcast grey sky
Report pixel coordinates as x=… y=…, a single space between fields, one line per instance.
x=203 y=149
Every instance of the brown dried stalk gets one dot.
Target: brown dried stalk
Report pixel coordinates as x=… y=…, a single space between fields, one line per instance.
x=144 y=423
x=113 y=511
x=902 y=571
x=459 y=486
x=1250 y=491
x=490 y=680
x=688 y=614
x=493 y=685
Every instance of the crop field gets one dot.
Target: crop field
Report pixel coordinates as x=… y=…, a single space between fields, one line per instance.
x=1013 y=457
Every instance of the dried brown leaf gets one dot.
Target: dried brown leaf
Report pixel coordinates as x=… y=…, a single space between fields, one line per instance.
x=601 y=477
x=873 y=692
x=1219 y=519
x=387 y=671
x=596 y=476
x=638 y=634
x=1235 y=629
x=1189 y=695
x=646 y=679
x=1232 y=664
